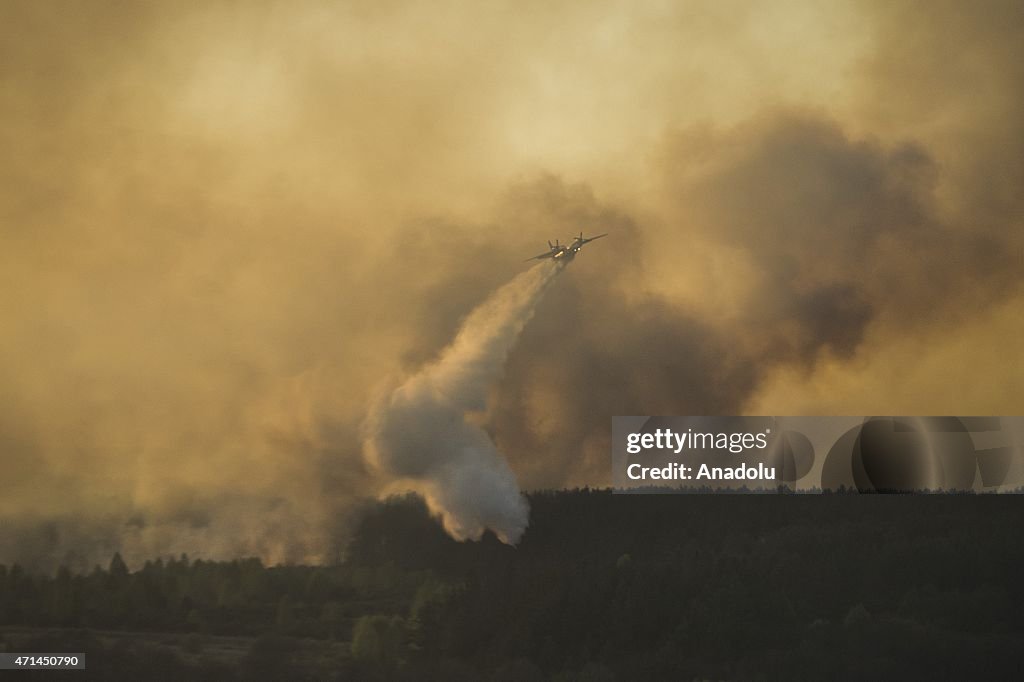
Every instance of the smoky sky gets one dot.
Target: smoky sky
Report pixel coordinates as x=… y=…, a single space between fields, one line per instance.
x=224 y=228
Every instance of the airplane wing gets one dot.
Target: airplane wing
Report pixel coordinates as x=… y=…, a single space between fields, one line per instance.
x=590 y=239
x=546 y=254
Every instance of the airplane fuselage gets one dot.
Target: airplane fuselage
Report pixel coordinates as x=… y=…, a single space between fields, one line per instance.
x=565 y=252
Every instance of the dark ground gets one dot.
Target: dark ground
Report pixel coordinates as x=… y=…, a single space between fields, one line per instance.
x=602 y=587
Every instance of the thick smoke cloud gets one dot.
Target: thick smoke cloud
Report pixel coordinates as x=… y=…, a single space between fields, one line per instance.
x=421 y=432
x=221 y=226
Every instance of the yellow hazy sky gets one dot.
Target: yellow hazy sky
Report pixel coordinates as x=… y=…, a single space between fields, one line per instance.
x=224 y=225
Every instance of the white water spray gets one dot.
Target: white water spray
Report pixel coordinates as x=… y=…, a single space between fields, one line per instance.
x=419 y=434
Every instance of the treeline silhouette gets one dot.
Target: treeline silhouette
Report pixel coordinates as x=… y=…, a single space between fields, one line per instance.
x=602 y=587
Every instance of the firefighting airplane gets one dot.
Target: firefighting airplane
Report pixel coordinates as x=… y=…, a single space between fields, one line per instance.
x=566 y=252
